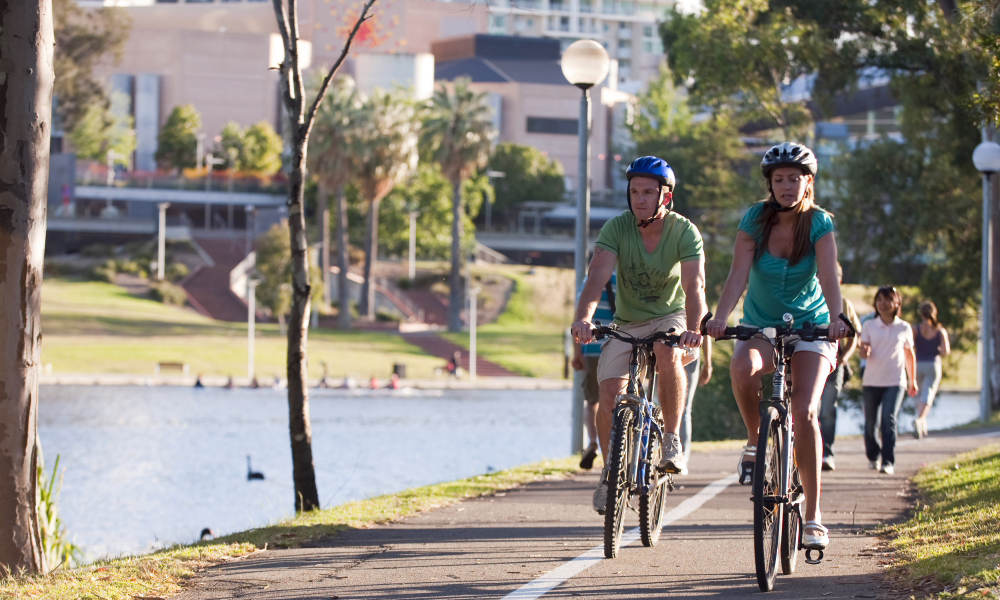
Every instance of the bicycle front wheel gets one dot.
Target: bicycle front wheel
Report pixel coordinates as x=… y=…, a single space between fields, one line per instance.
x=767 y=510
x=651 y=503
x=622 y=448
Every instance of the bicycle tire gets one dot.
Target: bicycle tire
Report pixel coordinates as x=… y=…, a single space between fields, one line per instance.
x=767 y=515
x=652 y=502
x=792 y=530
x=622 y=447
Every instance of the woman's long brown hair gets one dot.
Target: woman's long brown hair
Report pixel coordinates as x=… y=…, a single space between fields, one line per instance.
x=768 y=218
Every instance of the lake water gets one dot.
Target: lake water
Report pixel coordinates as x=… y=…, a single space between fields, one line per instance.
x=146 y=467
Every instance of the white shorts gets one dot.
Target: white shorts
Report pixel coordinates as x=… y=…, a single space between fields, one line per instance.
x=827 y=350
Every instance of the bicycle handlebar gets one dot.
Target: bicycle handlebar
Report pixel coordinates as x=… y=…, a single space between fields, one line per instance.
x=666 y=337
x=807 y=333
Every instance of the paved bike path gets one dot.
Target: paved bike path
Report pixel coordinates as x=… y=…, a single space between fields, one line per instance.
x=494 y=547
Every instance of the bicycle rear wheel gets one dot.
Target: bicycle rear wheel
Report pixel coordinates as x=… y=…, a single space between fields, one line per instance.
x=767 y=511
x=622 y=447
x=793 y=523
x=652 y=502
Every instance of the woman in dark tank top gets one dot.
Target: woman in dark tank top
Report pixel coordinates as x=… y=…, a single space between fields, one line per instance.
x=931 y=344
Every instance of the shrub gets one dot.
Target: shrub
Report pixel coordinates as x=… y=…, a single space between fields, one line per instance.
x=105 y=271
x=59 y=551
x=168 y=293
x=97 y=251
x=177 y=271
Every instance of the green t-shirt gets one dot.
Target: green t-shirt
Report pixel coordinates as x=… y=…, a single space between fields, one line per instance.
x=776 y=286
x=649 y=283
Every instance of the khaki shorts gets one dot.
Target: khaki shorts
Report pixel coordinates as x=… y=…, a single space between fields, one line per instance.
x=616 y=353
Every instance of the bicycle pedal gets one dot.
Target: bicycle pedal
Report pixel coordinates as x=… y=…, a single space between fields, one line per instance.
x=814 y=561
x=746 y=473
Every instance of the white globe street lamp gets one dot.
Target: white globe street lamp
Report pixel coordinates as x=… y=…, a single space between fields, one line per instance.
x=585 y=64
x=986 y=157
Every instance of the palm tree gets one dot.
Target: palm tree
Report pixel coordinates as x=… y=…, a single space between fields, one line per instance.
x=386 y=155
x=457 y=133
x=332 y=160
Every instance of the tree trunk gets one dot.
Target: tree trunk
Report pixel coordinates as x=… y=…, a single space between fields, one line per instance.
x=371 y=255
x=299 y=429
x=26 y=45
x=343 y=297
x=456 y=283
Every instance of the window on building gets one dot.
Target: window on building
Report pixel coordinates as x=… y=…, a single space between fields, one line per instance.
x=624 y=43
x=552 y=125
x=586 y=6
x=557 y=5
x=498 y=23
x=624 y=28
x=563 y=23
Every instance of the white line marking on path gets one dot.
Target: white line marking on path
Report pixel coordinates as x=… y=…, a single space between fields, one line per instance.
x=547 y=582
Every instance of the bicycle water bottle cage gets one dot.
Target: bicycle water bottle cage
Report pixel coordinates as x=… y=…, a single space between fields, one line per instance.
x=809 y=556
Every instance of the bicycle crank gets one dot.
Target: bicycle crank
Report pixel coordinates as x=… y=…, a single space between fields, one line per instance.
x=814 y=561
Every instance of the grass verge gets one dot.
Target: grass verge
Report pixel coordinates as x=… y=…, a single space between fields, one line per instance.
x=950 y=548
x=164 y=572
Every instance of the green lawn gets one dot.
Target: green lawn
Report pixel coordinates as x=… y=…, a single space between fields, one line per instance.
x=99 y=328
x=950 y=548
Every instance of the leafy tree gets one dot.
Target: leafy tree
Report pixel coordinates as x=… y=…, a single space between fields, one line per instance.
x=100 y=130
x=256 y=149
x=26 y=40
x=457 y=134
x=332 y=160
x=737 y=55
x=177 y=144
x=300 y=119
x=386 y=145
x=84 y=38
x=529 y=174
x=429 y=194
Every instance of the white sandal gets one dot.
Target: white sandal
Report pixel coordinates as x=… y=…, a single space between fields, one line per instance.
x=815 y=541
x=744 y=468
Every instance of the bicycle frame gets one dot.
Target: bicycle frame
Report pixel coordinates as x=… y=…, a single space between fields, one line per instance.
x=780 y=403
x=641 y=401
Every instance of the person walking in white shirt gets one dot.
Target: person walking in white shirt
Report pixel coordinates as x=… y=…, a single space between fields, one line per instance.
x=887 y=344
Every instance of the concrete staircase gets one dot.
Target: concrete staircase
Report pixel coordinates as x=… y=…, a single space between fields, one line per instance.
x=208 y=288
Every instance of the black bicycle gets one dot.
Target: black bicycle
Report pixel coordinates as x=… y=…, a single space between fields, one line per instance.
x=777 y=488
x=636 y=445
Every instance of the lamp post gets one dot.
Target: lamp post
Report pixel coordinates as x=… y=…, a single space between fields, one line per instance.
x=585 y=63
x=473 y=302
x=251 y=322
x=986 y=157
x=161 y=241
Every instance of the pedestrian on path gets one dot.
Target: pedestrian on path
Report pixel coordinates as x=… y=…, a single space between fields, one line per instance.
x=585 y=358
x=697 y=372
x=931 y=344
x=887 y=344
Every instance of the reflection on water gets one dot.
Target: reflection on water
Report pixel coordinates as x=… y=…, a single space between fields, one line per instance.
x=150 y=466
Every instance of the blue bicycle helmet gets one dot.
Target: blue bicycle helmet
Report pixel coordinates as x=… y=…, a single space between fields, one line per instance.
x=654 y=167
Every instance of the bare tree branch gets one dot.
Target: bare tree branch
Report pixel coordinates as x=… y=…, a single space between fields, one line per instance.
x=311 y=114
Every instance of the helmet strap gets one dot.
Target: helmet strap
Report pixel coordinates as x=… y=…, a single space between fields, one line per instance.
x=659 y=214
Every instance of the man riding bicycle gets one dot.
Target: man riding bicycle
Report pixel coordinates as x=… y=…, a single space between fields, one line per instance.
x=661 y=286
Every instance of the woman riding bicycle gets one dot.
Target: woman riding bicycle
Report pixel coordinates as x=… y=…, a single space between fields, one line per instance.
x=785 y=248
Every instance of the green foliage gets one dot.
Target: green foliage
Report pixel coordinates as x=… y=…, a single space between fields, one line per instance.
x=101 y=130
x=177 y=144
x=529 y=174
x=333 y=139
x=739 y=54
x=176 y=271
x=274 y=266
x=59 y=551
x=105 y=271
x=168 y=293
x=386 y=143
x=429 y=194
x=84 y=38
x=715 y=415
x=457 y=130
x=256 y=149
